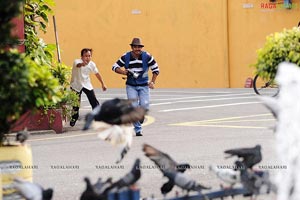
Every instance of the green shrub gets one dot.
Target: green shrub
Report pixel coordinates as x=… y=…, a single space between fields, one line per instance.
x=279 y=47
x=24 y=86
x=34 y=80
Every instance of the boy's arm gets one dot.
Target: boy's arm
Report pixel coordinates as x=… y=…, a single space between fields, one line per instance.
x=101 y=81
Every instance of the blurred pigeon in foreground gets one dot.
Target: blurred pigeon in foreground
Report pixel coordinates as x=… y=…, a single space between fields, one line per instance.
x=255 y=182
x=184 y=182
x=164 y=162
x=251 y=156
x=89 y=193
x=100 y=186
x=22 y=136
x=32 y=191
x=128 y=180
x=227 y=175
x=117 y=135
x=116 y=111
x=286 y=107
x=167 y=187
x=94 y=192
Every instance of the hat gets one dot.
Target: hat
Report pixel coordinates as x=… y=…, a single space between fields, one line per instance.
x=137 y=42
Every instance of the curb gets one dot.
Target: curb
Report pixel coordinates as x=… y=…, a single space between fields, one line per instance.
x=42 y=132
x=67 y=128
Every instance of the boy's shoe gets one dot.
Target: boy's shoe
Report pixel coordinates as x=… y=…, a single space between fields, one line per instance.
x=73 y=122
x=138 y=134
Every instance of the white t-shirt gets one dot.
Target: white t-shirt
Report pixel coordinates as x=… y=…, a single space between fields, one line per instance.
x=81 y=75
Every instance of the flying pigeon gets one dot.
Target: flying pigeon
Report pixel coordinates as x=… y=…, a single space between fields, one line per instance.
x=231 y=176
x=251 y=156
x=119 y=136
x=31 y=191
x=22 y=136
x=128 y=180
x=172 y=170
x=163 y=160
x=116 y=111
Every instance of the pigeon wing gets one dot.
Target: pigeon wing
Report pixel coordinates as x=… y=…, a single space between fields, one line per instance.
x=129 y=179
x=167 y=187
x=90 y=117
x=27 y=189
x=243 y=152
x=115 y=111
x=120 y=136
x=162 y=160
x=136 y=114
x=89 y=193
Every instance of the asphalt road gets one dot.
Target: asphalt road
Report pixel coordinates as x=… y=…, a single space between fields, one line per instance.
x=192 y=125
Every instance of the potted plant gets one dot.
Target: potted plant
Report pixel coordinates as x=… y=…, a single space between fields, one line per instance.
x=25 y=85
x=53 y=114
x=50 y=115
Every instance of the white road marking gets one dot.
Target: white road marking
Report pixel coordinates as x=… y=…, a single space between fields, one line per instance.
x=218 y=123
x=200 y=97
x=198 y=100
x=183 y=91
x=232 y=118
x=228 y=126
x=211 y=106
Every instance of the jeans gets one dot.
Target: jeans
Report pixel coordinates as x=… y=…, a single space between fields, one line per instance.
x=91 y=97
x=141 y=95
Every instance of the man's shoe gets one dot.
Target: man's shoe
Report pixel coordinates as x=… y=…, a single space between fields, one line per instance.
x=138 y=134
x=73 y=122
x=142 y=120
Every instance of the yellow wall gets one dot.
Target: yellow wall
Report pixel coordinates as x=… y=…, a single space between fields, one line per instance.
x=197 y=43
x=247 y=30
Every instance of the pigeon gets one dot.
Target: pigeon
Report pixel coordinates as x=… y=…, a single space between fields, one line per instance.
x=231 y=176
x=95 y=192
x=22 y=136
x=116 y=111
x=128 y=180
x=119 y=136
x=167 y=187
x=89 y=193
x=255 y=182
x=267 y=185
x=32 y=191
x=100 y=186
x=251 y=156
x=184 y=182
x=164 y=162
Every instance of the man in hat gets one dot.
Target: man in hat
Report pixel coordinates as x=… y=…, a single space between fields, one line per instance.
x=136 y=65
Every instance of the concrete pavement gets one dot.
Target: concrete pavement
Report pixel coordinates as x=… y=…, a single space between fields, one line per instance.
x=192 y=125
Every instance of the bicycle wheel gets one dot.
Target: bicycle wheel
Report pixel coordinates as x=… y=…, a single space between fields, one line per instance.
x=265 y=87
